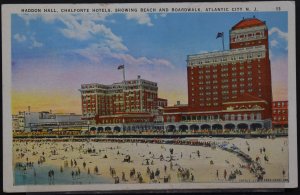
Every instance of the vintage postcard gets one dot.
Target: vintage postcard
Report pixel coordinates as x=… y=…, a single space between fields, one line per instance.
x=166 y=96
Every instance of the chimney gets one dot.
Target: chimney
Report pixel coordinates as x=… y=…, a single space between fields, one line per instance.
x=178 y=102
x=50 y=111
x=28 y=108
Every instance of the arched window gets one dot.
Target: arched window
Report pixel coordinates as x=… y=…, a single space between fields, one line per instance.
x=173 y=118
x=252 y=116
x=258 y=116
x=168 y=119
x=239 y=117
x=226 y=116
x=232 y=117
x=245 y=117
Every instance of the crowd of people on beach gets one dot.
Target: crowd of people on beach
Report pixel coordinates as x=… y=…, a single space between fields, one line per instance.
x=153 y=175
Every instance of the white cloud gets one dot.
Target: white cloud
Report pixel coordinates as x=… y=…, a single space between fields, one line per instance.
x=281 y=34
x=92 y=53
x=280 y=39
x=274 y=43
x=141 y=18
x=19 y=37
x=83 y=27
x=35 y=43
x=28 y=17
x=163 y=15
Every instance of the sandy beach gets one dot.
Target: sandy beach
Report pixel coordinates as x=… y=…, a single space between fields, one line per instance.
x=202 y=164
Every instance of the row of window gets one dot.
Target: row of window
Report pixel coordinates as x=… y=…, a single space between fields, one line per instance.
x=279 y=111
x=279 y=104
x=251 y=116
x=225 y=59
x=249 y=35
x=279 y=118
x=234 y=74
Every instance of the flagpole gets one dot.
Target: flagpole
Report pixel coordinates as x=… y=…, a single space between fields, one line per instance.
x=223 y=42
x=124 y=74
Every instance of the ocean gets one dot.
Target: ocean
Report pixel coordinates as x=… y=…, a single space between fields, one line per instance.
x=27 y=177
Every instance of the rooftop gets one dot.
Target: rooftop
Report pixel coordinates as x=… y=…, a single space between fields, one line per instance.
x=248 y=22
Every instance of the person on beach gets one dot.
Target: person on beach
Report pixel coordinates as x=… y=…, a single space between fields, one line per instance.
x=266 y=158
x=217 y=174
x=49 y=177
x=123 y=176
x=283 y=173
x=225 y=174
x=78 y=170
x=96 y=170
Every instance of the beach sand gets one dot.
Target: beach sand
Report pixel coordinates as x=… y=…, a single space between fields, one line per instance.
x=184 y=157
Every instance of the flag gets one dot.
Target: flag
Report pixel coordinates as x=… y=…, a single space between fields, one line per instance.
x=121 y=67
x=220 y=34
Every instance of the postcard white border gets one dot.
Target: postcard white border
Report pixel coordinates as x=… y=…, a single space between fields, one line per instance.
x=7 y=10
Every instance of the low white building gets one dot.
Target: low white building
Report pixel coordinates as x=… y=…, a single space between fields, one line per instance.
x=48 y=121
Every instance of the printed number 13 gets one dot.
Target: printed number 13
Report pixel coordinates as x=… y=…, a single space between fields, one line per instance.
x=277 y=8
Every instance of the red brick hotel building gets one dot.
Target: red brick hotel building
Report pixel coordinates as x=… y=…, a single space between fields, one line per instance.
x=128 y=105
x=228 y=89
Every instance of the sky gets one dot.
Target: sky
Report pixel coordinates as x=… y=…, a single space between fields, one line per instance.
x=53 y=54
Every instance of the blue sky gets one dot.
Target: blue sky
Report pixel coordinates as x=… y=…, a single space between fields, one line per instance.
x=54 y=54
